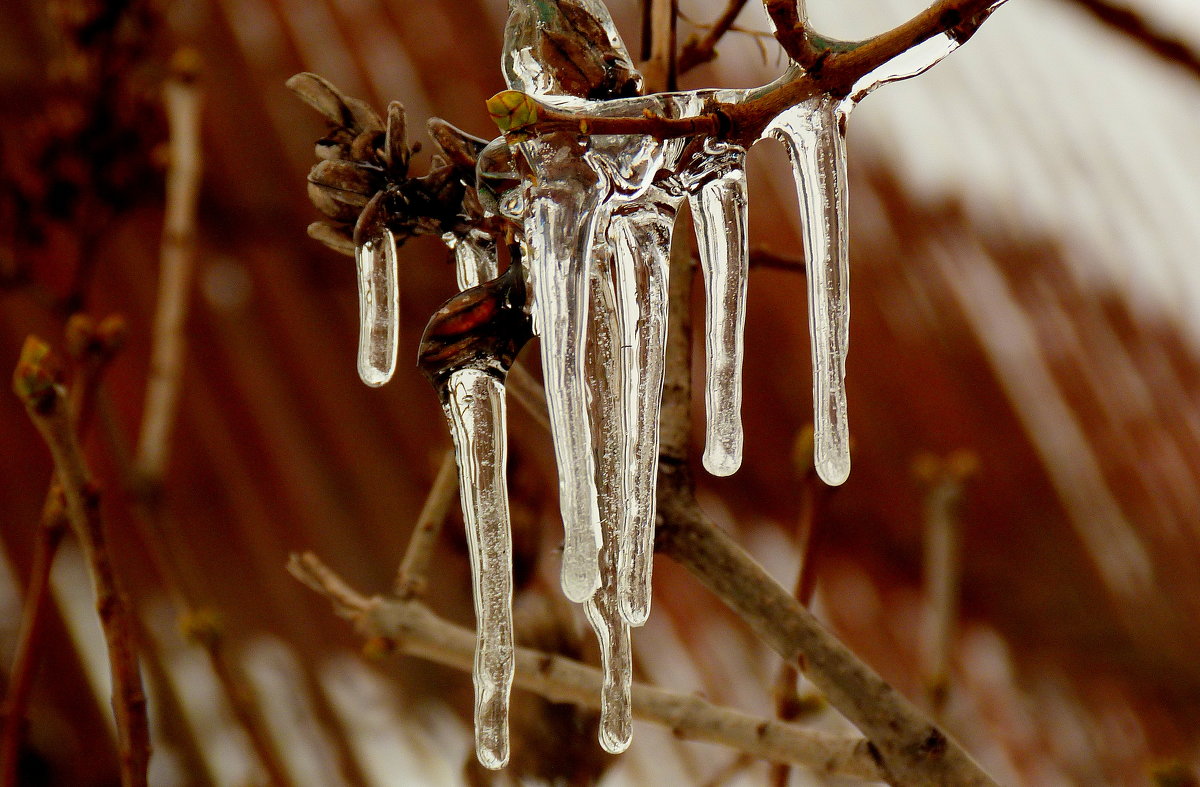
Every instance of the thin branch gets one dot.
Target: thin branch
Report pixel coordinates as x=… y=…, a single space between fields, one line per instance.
x=702 y=50
x=46 y=403
x=660 y=67
x=1143 y=31
x=411 y=579
x=944 y=480
x=182 y=100
x=765 y=258
x=92 y=348
x=529 y=393
x=911 y=749
x=416 y=630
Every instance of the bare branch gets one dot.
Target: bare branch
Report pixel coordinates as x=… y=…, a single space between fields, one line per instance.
x=182 y=98
x=416 y=630
x=410 y=579
x=702 y=50
x=1144 y=32
x=46 y=403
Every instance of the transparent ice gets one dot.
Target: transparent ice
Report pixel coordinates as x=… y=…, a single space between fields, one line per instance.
x=378 y=307
x=474 y=258
x=605 y=379
x=475 y=408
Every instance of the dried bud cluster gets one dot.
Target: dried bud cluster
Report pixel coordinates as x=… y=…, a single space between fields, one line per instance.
x=365 y=158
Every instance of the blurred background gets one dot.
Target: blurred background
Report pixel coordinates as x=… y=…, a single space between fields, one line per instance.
x=1026 y=281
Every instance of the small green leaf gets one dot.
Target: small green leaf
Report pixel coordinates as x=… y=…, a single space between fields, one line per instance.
x=513 y=110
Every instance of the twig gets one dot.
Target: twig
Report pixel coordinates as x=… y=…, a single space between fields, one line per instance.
x=182 y=99
x=911 y=750
x=416 y=630
x=660 y=66
x=944 y=480
x=411 y=579
x=702 y=50
x=765 y=258
x=46 y=403
x=92 y=348
x=1144 y=32
x=529 y=393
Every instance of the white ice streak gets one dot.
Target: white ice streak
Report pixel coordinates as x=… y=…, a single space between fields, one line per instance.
x=475 y=408
x=605 y=378
x=813 y=133
x=474 y=258
x=716 y=185
x=378 y=308
x=640 y=236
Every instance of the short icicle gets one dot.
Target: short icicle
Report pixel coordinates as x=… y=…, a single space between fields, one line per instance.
x=474 y=258
x=813 y=133
x=603 y=609
x=378 y=295
x=475 y=407
x=559 y=230
x=640 y=235
x=716 y=182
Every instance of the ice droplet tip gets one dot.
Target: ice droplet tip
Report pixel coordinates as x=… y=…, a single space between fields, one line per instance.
x=721 y=462
x=374 y=377
x=834 y=471
x=615 y=742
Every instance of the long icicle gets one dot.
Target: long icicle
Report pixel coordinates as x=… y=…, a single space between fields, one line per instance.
x=813 y=133
x=641 y=239
x=719 y=204
x=603 y=609
x=475 y=408
x=559 y=230
x=474 y=258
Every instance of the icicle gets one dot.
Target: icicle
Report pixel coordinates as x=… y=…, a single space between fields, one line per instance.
x=474 y=405
x=813 y=133
x=605 y=379
x=559 y=231
x=378 y=295
x=474 y=258
x=716 y=182
x=640 y=236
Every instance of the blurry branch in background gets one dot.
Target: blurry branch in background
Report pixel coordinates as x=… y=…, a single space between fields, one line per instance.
x=46 y=401
x=410 y=579
x=412 y=628
x=91 y=348
x=182 y=98
x=701 y=50
x=1134 y=25
x=944 y=480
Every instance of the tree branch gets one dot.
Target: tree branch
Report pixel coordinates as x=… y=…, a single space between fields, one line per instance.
x=410 y=579
x=702 y=50
x=46 y=403
x=416 y=630
x=1144 y=32
x=911 y=750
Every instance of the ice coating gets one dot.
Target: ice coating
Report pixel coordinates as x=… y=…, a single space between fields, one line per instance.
x=813 y=133
x=603 y=609
x=474 y=258
x=716 y=183
x=640 y=236
x=474 y=405
x=378 y=307
x=559 y=231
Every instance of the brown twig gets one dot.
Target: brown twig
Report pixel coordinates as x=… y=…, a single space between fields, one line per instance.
x=411 y=579
x=944 y=480
x=702 y=50
x=765 y=258
x=1144 y=32
x=182 y=99
x=91 y=348
x=416 y=630
x=46 y=403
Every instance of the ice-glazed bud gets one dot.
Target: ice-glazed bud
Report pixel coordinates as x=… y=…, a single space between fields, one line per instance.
x=566 y=48
x=501 y=189
x=378 y=294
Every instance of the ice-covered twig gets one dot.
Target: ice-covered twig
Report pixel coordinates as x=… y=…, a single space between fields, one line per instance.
x=413 y=629
x=46 y=402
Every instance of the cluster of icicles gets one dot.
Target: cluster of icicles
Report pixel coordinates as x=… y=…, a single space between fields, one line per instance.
x=598 y=215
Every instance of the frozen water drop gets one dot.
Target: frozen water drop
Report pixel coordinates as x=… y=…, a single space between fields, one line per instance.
x=475 y=408
x=474 y=258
